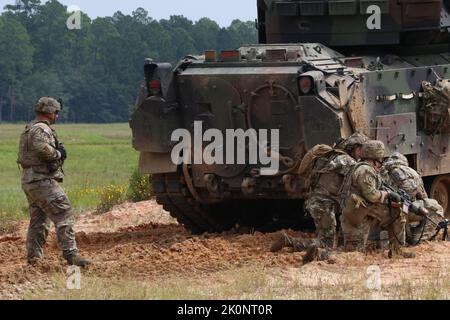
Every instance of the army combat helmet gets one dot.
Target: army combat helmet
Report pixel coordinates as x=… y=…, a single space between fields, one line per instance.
x=47 y=105
x=373 y=150
x=396 y=159
x=354 y=140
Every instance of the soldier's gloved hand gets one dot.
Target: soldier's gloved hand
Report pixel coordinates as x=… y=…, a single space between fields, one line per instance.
x=63 y=151
x=394 y=197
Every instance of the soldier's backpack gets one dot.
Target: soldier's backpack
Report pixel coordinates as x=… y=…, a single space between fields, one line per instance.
x=406 y=179
x=314 y=162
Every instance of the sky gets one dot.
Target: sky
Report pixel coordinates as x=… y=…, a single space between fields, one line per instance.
x=221 y=11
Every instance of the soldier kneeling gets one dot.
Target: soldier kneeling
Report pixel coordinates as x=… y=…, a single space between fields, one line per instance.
x=397 y=173
x=366 y=204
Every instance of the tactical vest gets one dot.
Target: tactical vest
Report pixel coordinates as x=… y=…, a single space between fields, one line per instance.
x=27 y=157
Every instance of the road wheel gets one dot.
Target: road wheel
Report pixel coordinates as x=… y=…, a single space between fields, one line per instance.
x=440 y=190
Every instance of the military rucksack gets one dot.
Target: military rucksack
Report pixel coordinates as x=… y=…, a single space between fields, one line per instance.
x=406 y=179
x=315 y=161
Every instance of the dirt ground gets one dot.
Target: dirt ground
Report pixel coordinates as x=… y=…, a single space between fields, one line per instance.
x=143 y=242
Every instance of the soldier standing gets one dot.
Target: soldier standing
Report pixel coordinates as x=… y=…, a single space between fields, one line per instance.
x=397 y=173
x=366 y=204
x=322 y=202
x=41 y=156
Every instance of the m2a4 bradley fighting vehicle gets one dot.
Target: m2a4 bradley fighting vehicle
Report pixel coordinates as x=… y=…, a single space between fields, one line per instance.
x=322 y=71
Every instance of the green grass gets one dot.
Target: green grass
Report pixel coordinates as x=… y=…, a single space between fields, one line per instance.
x=99 y=155
x=257 y=283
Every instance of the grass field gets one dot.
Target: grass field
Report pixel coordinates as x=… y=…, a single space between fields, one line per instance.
x=255 y=283
x=98 y=156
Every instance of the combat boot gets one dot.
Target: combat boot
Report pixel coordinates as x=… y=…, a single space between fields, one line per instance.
x=34 y=261
x=408 y=254
x=76 y=260
x=314 y=252
x=283 y=241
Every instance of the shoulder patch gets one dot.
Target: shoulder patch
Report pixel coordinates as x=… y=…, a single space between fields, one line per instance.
x=370 y=179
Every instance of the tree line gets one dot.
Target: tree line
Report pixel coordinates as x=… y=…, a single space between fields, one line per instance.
x=96 y=69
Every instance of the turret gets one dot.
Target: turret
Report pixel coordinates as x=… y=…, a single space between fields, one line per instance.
x=353 y=23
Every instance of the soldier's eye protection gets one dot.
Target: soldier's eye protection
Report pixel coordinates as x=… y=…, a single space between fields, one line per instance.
x=379 y=162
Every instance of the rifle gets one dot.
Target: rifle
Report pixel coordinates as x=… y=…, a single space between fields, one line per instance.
x=409 y=206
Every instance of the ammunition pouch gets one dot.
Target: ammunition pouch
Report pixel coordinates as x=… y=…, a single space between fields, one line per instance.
x=53 y=166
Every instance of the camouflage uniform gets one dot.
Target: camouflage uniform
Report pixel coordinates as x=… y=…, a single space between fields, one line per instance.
x=41 y=175
x=365 y=205
x=323 y=199
x=397 y=173
x=323 y=204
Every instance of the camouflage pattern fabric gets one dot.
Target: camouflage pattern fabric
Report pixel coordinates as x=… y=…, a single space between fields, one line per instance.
x=332 y=175
x=367 y=183
x=399 y=174
x=299 y=244
x=38 y=155
x=365 y=208
x=324 y=212
x=421 y=229
x=47 y=105
x=41 y=164
x=48 y=202
x=396 y=172
x=356 y=223
x=322 y=204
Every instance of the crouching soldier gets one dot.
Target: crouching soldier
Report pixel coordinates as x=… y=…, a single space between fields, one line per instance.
x=41 y=156
x=397 y=173
x=326 y=178
x=366 y=204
